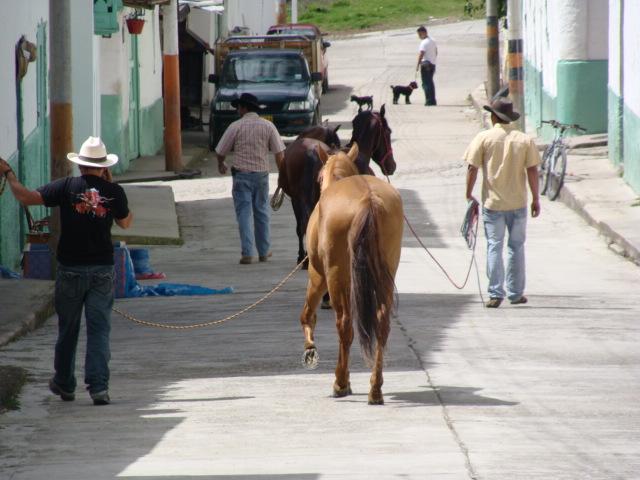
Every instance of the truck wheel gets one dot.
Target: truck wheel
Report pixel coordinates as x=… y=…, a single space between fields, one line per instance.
x=317 y=117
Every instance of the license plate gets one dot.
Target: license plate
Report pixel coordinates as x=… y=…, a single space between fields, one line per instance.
x=267 y=117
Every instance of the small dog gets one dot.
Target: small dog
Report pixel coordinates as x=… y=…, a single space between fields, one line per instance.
x=401 y=90
x=361 y=101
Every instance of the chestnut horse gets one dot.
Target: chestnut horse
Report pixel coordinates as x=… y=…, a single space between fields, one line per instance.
x=354 y=239
x=297 y=175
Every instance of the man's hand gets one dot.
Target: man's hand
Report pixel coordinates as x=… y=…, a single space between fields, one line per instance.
x=4 y=167
x=535 y=208
x=107 y=175
x=222 y=167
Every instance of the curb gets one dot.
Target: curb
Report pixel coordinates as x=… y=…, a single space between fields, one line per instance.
x=33 y=321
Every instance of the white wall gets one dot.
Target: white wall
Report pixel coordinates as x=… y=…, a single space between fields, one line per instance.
x=632 y=55
x=258 y=15
x=22 y=18
x=82 y=65
x=614 y=46
x=150 y=58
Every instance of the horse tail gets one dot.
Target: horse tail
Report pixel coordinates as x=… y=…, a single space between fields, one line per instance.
x=372 y=284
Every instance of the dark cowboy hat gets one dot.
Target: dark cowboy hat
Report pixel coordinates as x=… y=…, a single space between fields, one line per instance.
x=247 y=100
x=503 y=108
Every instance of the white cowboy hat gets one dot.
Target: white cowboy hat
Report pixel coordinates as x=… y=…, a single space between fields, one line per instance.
x=93 y=153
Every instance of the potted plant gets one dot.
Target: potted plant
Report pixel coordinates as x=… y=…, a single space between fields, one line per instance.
x=134 y=22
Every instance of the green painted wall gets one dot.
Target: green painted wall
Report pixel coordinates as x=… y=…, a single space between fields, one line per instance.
x=115 y=133
x=615 y=128
x=631 y=153
x=152 y=128
x=34 y=173
x=539 y=104
x=582 y=94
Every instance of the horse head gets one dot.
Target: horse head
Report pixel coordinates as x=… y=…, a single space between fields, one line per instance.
x=337 y=166
x=323 y=133
x=371 y=131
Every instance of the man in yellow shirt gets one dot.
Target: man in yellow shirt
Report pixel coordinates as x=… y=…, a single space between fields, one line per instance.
x=509 y=160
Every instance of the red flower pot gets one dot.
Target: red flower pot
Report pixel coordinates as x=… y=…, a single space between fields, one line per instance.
x=134 y=25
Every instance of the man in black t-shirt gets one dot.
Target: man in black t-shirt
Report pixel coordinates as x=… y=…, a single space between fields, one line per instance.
x=89 y=204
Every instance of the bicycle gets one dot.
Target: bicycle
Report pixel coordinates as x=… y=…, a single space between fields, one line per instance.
x=554 y=160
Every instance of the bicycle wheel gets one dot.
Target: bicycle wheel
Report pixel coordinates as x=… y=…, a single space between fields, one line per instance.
x=543 y=172
x=556 y=173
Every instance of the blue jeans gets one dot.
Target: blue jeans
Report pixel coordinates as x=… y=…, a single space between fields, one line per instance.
x=91 y=287
x=495 y=223
x=426 y=74
x=251 y=201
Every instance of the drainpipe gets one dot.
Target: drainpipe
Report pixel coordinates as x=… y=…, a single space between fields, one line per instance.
x=493 y=53
x=514 y=58
x=171 y=92
x=60 y=104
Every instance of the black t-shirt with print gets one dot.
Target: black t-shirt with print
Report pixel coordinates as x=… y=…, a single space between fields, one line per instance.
x=88 y=205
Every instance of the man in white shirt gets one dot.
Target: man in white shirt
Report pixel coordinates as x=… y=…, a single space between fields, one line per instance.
x=428 y=53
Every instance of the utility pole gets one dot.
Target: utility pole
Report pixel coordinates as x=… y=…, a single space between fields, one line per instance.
x=171 y=93
x=60 y=105
x=514 y=58
x=282 y=12
x=60 y=72
x=294 y=11
x=493 y=52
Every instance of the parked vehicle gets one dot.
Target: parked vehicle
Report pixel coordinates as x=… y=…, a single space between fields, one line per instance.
x=320 y=62
x=279 y=77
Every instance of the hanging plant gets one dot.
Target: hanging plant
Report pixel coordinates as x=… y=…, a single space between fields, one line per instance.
x=134 y=22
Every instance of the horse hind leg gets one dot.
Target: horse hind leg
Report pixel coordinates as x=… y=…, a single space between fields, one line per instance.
x=298 y=211
x=382 y=333
x=315 y=288
x=342 y=383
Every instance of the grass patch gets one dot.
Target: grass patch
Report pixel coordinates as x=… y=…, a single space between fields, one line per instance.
x=12 y=379
x=353 y=15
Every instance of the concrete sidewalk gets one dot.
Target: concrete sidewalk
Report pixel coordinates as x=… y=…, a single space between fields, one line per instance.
x=594 y=190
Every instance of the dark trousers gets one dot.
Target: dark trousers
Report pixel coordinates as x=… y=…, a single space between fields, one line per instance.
x=427 y=71
x=89 y=287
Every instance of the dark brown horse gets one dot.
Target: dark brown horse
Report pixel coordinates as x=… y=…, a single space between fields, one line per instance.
x=299 y=171
x=297 y=175
x=354 y=240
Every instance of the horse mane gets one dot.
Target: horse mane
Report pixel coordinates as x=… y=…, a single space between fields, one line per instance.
x=372 y=283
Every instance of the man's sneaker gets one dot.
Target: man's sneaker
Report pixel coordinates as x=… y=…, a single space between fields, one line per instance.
x=101 y=398
x=246 y=260
x=493 y=303
x=519 y=301
x=57 y=390
x=264 y=258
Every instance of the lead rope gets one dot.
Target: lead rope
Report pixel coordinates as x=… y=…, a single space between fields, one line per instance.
x=213 y=322
x=472 y=262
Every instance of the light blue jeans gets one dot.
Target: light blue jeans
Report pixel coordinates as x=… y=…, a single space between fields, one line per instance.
x=495 y=224
x=89 y=287
x=251 y=202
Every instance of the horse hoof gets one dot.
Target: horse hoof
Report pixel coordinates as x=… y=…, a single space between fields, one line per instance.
x=325 y=305
x=305 y=264
x=310 y=358
x=376 y=400
x=342 y=392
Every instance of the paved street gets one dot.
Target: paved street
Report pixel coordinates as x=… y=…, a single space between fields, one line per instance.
x=548 y=390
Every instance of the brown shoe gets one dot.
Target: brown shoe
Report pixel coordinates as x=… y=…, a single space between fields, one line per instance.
x=493 y=303
x=264 y=258
x=519 y=301
x=246 y=260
